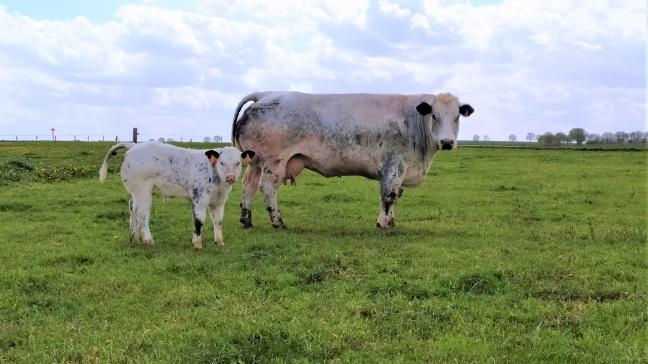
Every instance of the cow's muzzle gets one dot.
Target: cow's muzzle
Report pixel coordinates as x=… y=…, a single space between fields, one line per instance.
x=230 y=179
x=447 y=144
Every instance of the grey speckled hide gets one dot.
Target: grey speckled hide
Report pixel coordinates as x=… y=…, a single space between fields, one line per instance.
x=390 y=138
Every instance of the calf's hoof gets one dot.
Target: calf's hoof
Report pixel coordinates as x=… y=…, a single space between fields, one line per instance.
x=197 y=243
x=385 y=223
x=246 y=224
x=219 y=243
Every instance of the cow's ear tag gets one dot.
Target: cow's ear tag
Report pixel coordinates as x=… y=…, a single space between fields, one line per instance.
x=212 y=156
x=213 y=160
x=247 y=156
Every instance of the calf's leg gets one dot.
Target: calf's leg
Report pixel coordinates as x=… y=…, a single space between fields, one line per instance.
x=217 y=212
x=199 y=210
x=140 y=207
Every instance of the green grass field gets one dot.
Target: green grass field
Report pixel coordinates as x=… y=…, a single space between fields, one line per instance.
x=501 y=255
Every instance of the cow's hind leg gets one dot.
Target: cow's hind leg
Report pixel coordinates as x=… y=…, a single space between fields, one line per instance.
x=250 y=186
x=271 y=178
x=391 y=178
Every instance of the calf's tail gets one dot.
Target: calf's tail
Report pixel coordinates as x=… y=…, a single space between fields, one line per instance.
x=103 y=172
x=235 y=125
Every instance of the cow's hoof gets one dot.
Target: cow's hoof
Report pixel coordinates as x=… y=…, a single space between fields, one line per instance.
x=219 y=243
x=391 y=224
x=247 y=225
x=149 y=242
x=279 y=226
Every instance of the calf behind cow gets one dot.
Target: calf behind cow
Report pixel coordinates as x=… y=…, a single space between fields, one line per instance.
x=390 y=138
x=204 y=177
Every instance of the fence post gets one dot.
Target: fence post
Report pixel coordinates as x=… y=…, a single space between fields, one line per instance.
x=135 y=135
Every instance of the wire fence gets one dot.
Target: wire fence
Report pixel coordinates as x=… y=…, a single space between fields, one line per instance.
x=114 y=137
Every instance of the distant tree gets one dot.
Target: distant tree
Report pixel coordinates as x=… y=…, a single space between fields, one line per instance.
x=593 y=138
x=547 y=139
x=151 y=140
x=218 y=139
x=476 y=137
x=621 y=137
x=637 y=137
x=206 y=139
x=160 y=139
x=512 y=137
x=530 y=137
x=486 y=138
x=577 y=134
x=560 y=138
x=607 y=137
x=170 y=140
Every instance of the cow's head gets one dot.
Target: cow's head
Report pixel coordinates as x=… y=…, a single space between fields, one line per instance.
x=445 y=110
x=228 y=162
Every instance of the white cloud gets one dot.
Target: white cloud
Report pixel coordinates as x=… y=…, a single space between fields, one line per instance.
x=525 y=66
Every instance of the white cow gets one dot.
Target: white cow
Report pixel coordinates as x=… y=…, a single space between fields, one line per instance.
x=389 y=138
x=203 y=177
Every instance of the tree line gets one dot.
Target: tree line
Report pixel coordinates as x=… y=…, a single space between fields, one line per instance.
x=580 y=136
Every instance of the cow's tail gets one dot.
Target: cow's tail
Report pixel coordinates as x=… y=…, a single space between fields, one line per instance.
x=103 y=172
x=235 y=124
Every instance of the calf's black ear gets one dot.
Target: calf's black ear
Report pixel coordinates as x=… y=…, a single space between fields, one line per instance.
x=247 y=156
x=466 y=110
x=212 y=155
x=424 y=108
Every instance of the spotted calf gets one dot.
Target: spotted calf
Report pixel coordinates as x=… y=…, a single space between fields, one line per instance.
x=203 y=177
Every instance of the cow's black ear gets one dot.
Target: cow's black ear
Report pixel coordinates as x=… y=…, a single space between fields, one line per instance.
x=211 y=153
x=424 y=108
x=466 y=110
x=247 y=156
x=247 y=153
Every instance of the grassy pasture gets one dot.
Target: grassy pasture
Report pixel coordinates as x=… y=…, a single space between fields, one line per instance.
x=500 y=255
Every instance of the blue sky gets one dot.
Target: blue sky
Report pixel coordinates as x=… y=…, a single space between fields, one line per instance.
x=177 y=68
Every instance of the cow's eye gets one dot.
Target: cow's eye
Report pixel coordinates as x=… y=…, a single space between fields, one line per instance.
x=434 y=117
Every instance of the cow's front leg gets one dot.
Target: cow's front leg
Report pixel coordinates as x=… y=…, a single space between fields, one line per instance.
x=271 y=178
x=250 y=186
x=199 y=210
x=391 y=178
x=217 y=213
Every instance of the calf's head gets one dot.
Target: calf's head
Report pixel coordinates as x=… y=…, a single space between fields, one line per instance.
x=444 y=113
x=227 y=162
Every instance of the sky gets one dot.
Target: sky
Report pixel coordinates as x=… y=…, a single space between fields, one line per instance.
x=177 y=68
